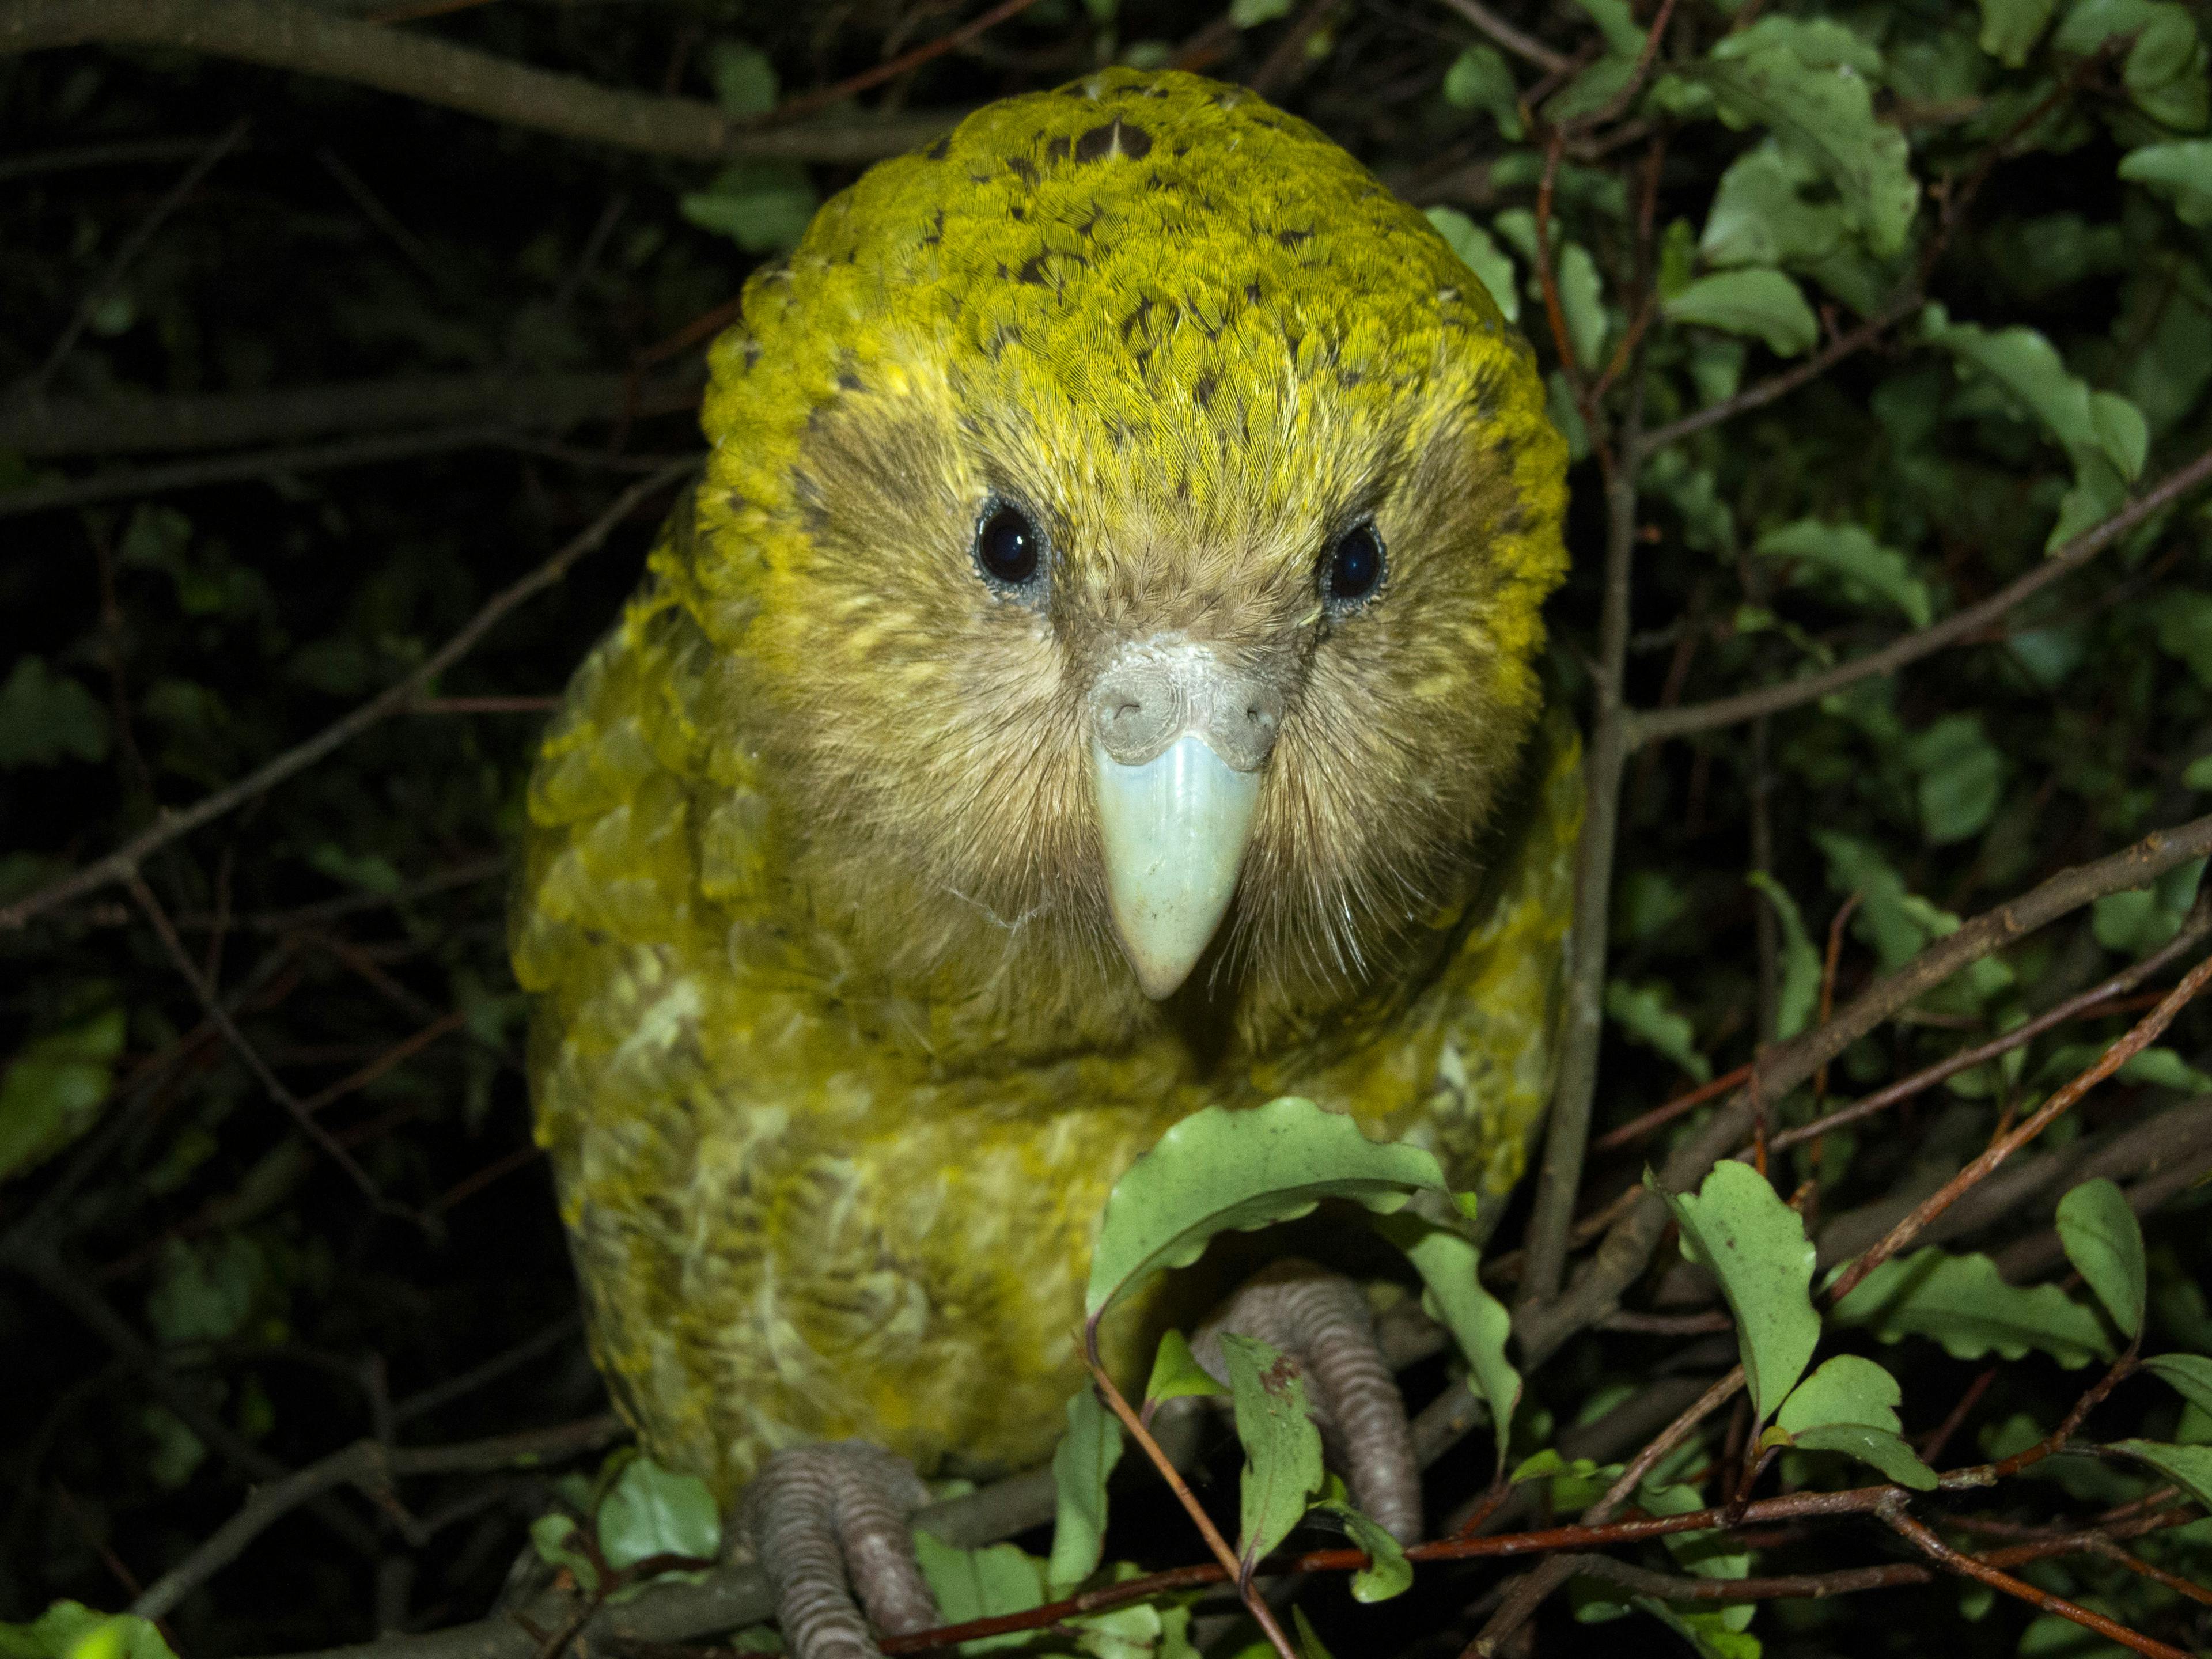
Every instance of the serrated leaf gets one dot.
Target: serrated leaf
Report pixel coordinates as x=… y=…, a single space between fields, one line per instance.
x=2189 y=1374
x=1882 y=1449
x=1282 y=1447
x=46 y=718
x=764 y=206
x=652 y=1510
x=1177 y=1372
x=1081 y=1463
x=2180 y=171
x=1218 y=1171
x=1811 y=84
x=1581 y=300
x=1845 y=1389
x=1388 y=1572
x=1479 y=78
x=1798 y=997
x=2010 y=28
x=1961 y=778
x=1962 y=1301
x=1755 y=1245
x=1761 y=303
x=1646 y=1012
x=2164 y=72
x=1480 y=255
x=1865 y=567
x=2104 y=1242
x=1765 y=212
x=2188 y=1467
x=1453 y=1293
x=981 y=1583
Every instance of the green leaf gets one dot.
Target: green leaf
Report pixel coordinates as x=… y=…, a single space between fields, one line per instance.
x=205 y=1290
x=984 y=1583
x=1581 y=300
x=1480 y=255
x=1310 y=1642
x=1479 y=78
x=1762 y=303
x=1811 y=83
x=744 y=81
x=1845 y=1389
x=652 y=1510
x=2190 y=1375
x=1755 y=1245
x=1282 y=1447
x=2010 y=28
x=1177 y=1372
x=2185 y=630
x=2140 y=919
x=1883 y=1449
x=54 y=1088
x=550 y=1535
x=46 y=719
x=1799 y=996
x=1085 y=1458
x=2104 y=1242
x=1219 y=1170
x=2197 y=775
x=1865 y=568
x=1961 y=1301
x=764 y=206
x=1961 y=778
x=1768 y=210
x=1453 y=1294
x=2165 y=69
x=1617 y=23
x=1250 y=14
x=2180 y=171
x=70 y=1629
x=2103 y=433
x=2190 y=1466
x=1388 y=1572
x=1646 y=1012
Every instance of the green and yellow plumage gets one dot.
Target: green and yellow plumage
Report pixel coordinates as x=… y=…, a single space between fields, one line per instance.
x=833 y=1048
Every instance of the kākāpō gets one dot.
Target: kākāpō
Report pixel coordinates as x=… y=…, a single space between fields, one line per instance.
x=1095 y=678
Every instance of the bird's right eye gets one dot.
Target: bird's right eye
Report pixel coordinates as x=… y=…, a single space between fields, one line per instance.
x=1009 y=549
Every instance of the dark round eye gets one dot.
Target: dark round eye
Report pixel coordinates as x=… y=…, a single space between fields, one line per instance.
x=1008 y=547
x=1355 y=567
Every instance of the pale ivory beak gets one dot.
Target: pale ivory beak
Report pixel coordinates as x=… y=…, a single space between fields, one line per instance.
x=1178 y=739
x=1174 y=828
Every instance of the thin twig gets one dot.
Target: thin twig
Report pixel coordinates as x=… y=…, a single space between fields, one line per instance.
x=1655 y=725
x=1520 y=44
x=130 y=249
x=123 y=863
x=212 y=1006
x=2140 y=1037
x=810 y=102
x=1895 y=1516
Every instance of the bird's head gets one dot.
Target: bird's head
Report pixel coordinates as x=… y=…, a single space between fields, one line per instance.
x=1129 y=523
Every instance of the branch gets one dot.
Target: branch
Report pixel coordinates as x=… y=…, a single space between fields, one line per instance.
x=284 y=34
x=1521 y=45
x=227 y=420
x=372 y=1466
x=123 y=863
x=2137 y=1039
x=1627 y=1247
x=1652 y=725
x=131 y=484
x=1915 y=1534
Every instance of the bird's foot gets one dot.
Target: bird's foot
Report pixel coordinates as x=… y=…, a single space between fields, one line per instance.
x=829 y=1521
x=1322 y=1321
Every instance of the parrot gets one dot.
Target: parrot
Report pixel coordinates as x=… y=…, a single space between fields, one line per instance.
x=1096 y=676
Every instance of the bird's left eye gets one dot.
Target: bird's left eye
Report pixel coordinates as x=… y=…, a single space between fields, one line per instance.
x=1353 y=569
x=1009 y=548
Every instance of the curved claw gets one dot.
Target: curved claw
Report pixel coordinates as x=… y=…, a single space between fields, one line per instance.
x=1321 y=1321
x=828 y=1520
